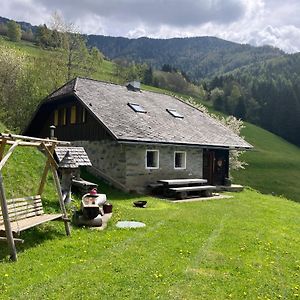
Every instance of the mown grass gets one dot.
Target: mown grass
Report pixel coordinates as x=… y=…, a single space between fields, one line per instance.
x=274 y=165
x=245 y=247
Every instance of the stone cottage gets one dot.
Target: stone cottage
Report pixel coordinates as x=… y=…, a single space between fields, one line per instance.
x=135 y=137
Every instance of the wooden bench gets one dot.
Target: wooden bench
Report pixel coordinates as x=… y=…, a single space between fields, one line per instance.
x=182 y=192
x=25 y=213
x=169 y=182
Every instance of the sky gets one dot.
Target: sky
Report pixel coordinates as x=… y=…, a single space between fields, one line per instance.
x=256 y=22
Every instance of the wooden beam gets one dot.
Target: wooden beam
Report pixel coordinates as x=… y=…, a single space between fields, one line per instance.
x=29 y=144
x=45 y=172
x=8 y=154
x=61 y=200
x=2 y=148
x=4 y=239
x=29 y=138
x=50 y=156
x=8 y=230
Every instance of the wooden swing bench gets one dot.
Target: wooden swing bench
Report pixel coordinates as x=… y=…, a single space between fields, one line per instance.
x=25 y=213
x=19 y=214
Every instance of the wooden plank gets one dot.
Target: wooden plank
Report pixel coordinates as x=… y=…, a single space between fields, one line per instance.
x=8 y=154
x=24 y=205
x=7 y=225
x=2 y=239
x=22 y=214
x=30 y=138
x=36 y=197
x=28 y=144
x=61 y=200
x=24 y=210
x=33 y=221
x=49 y=154
x=45 y=172
x=2 y=148
x=182 y=181
x=193 y=188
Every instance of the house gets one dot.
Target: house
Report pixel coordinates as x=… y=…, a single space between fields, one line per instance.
x=136 y=137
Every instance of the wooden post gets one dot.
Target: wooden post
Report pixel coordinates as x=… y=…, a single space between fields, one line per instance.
x=8 y=230
x=45 y=172
x=8 y=154
x=61 y=201
x=2 y=148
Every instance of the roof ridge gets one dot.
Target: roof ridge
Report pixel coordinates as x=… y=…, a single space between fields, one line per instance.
x=61 y=87
x=101 y=81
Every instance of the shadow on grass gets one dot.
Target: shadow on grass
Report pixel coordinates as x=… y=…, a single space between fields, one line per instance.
x=34 y=237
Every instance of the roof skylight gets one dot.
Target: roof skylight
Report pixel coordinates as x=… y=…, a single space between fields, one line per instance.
x=174 y=113
x=137 y=108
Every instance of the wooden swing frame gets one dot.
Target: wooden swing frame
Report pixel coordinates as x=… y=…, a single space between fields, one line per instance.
x=30 y=219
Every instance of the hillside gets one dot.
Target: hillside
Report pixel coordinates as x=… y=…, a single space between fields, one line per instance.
x=274 y=164
x=243 y=247
x=199 y=57
x=266 y=94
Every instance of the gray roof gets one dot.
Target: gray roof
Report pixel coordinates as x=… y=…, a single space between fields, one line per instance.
x=109 y=103
x=78 y=154
x=68 y=162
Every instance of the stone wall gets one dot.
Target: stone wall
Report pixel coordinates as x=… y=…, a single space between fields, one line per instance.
x=138 y=177
x=124 y=165
x=108 y=157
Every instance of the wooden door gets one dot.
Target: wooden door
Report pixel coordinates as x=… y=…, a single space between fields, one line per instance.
x=208 y=165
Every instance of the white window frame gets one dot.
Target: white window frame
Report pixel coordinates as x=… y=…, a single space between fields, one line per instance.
x=152 y=150
x=184 y=161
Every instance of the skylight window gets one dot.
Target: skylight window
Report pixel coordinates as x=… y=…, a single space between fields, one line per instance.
x=174 y=113
x=137 y=108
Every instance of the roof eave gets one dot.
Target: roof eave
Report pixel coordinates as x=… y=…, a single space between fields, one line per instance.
x=161 y=143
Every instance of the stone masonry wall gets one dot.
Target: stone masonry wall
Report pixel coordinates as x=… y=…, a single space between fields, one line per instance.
x=138 y=177
x=125 y=164
x=106 y=156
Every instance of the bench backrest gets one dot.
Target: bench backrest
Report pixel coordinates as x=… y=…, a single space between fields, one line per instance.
x=22 y=208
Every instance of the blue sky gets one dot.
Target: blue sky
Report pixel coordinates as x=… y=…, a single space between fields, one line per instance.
x=258 y=22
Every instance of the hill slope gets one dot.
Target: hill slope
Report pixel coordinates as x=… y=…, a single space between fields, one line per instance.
x=274 y=165
x=267 y=94
x=199 y=57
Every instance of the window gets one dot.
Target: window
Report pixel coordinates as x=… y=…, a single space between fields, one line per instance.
x=179 y=160
x=55 y=119
x=136 y=107
x=64 y=117
x=83 y=115
x=73 y=115
x=152 y=159
x=174 y=113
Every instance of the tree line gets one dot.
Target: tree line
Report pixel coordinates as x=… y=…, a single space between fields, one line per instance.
x=265 y=94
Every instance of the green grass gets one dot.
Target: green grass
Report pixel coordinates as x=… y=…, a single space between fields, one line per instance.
x=104 y=71
x=245 y=247
x=274 y=165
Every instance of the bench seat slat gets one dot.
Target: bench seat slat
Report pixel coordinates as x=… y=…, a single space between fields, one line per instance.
x=31 y=222
x=193 y=188
x=23 y=215
x=24 y=206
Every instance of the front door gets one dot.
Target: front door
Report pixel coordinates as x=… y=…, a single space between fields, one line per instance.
x=208 y=165
x=215 y=166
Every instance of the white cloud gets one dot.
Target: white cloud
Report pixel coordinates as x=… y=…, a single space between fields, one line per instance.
x=257 y=22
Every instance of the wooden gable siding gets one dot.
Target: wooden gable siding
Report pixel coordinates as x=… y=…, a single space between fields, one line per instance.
x=88 y=129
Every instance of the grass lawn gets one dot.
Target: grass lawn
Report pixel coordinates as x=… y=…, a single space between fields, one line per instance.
x=246 y=247
x=274 y=165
